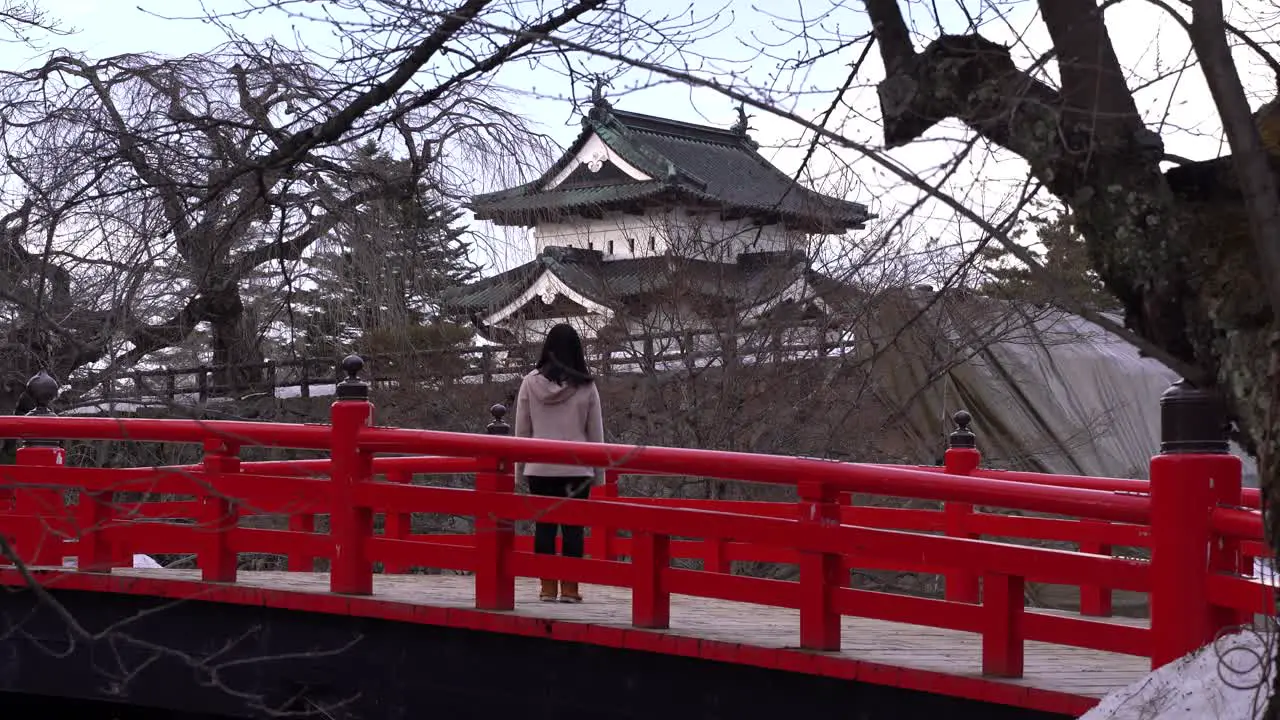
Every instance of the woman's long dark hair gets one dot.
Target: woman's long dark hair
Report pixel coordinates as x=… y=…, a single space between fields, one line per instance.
x=562 y=360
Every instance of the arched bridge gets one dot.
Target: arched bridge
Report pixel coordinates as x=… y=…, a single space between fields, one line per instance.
x=402 y=624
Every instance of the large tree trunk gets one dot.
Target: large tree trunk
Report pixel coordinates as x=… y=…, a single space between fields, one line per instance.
x=1175 y=248
x=12 y=392
x=234 y=340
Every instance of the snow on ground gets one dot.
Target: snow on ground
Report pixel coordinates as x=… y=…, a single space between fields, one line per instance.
x=1265 y=571
x=1225 y=681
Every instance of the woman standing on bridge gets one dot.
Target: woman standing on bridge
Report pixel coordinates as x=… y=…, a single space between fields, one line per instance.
x=559 y=401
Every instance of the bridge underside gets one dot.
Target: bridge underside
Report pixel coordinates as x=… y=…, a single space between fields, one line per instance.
x=31 y=706
x=257 y=662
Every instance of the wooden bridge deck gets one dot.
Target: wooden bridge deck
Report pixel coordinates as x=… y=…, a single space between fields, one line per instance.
x=1053 y=668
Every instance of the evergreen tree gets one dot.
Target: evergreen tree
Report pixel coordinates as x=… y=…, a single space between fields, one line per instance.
x=374 y=281
x=1062 y=253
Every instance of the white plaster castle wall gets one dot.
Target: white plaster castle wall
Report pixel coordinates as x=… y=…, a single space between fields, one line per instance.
x=678 y=315
x=704 y=236
x=683 y=316
x=534 y=330
x=674 y=318
x=664 y=325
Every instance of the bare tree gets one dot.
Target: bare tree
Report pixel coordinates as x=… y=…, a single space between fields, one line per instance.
x=1185 y=251
x=149 y=189
x=154 y=165
x=1190 y=252
x=22 y=20
x=1143 y=227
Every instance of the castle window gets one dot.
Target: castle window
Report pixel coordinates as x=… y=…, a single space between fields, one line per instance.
x=631 y=245
x=610 y=247
x=653 y=243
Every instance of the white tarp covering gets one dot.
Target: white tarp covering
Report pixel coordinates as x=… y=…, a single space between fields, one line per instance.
x=1049 y=391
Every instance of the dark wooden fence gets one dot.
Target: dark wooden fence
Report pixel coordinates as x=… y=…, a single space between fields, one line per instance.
x=621 y=355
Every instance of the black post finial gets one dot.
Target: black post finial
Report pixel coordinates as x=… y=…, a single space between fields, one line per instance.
x=42 y=388
x=352 y=388
x=962 y=436
x=498 y=426
x=1192 y=421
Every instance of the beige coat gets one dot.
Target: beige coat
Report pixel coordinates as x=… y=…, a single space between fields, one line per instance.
x=550 y=411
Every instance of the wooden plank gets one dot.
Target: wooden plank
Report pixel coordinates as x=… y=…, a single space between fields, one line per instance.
x=1075 y=671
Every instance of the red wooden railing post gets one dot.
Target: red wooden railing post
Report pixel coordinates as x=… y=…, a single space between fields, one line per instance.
x=1225 y=556
x=93 y=515
x=604 y=538
x=1003 y=641
x=45 y=508
x=397 y=525
x=42 y=543
x=350 y=524
x=1193 y=457
x=495 y=536
x=650 y=596
x=1095 y=600
x=300 y=560
x=820 y=572
x=962 y=457
x=715 y=553
x=715 y=556
x=219 y=514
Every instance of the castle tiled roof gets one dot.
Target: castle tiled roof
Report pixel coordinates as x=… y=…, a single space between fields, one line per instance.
x=750 y=281
x=687 y=163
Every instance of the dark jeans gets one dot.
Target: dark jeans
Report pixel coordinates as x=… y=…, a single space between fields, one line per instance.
x=544 y=533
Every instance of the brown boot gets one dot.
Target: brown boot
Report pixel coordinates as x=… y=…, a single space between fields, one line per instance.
x=569 y=592
x=548 y=591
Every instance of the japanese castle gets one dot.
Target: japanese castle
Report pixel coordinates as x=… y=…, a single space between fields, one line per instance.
x=648 y=226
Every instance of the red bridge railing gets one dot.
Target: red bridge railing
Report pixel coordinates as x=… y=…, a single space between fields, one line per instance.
x=1201 y=527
